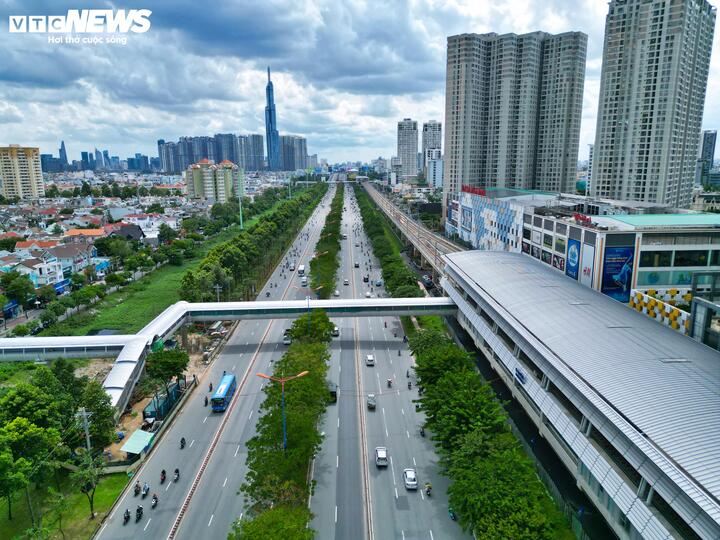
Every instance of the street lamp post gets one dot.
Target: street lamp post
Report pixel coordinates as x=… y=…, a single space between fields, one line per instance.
x=282 y=381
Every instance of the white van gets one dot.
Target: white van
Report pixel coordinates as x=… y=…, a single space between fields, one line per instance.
x=370 y=360
x=381 y=456
x=304 y=281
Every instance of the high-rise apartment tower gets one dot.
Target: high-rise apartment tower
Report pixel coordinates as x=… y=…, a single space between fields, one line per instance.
x=652 y=94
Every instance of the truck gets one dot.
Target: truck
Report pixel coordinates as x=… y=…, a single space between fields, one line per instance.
x=301 y=270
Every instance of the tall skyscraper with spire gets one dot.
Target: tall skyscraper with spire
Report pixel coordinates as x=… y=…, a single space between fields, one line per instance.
x=271 y=133
x=63 y=154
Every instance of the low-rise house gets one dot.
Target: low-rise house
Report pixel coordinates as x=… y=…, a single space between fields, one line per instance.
x=74 y=258
x=41 y=272
x=84 y=235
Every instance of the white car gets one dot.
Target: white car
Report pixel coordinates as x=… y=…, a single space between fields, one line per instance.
x=370 y=360
x=336 y=293
x=346 y=282
x=410 y=479
x=367 y=294
x=381 y=456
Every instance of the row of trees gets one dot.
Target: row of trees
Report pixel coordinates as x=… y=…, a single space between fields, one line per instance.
x=399 y=279
x=494 y=487
x=323 y=267
x=240 y=263
x=276 y=485
x=110 y=189
x=39 y=431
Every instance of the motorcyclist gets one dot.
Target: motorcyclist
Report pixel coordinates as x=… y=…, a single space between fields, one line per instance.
x=162 y=476
x=177 y=474
x=206 y=401
x=210 y=387
x=154 y=499
x=428 y=488
x=126 y=515
x=409 y=385
x=145 y=488
x=182 y=443
x=137 y=487
x=389 y=383
x=139 y=512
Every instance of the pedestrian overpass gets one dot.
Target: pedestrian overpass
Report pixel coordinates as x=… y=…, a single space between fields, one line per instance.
x=130 y=351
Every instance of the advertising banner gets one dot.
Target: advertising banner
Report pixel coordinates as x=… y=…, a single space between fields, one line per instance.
x=535 y=252
x=466 y=222
x=573 y=259
x=536 y=237
x=558 y=262
x=546 y=257
x=617 y=272
x=588 y=265
x=526 y=248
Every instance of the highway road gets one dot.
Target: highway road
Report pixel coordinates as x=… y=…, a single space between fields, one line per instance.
x=346 y=481
x=251 y=348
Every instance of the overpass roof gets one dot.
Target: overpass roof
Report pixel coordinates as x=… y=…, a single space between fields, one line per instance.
x=655 y=384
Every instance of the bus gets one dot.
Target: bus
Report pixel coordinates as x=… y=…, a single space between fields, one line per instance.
x=224 y=393
x=301 y=270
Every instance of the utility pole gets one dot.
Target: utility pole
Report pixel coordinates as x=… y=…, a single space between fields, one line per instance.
x=86 y=425
x=217 y=288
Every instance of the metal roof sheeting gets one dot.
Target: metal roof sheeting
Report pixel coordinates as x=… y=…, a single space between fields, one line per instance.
x=618 y=355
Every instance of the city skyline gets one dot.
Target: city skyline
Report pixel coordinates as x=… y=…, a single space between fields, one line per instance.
x=346 y=114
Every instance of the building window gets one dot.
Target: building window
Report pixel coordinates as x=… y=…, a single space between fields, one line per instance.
x=655 y=258
x=691 y=258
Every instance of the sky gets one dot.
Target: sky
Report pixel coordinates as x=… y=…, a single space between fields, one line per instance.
x=344 y=71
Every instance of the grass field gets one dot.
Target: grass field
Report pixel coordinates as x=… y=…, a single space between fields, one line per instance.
x=75 y=520
x=131 y=308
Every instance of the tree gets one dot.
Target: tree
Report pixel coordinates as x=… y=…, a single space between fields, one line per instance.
x=87 y=477
x=165 y=365
x=8 y=244
x=13 y=476
x=27 y=441
x=78 y=280
x=30 y=402
x=102 y=421
x=64 y=371
x=52 y=192
x=67 y=211
x=155 y=208
x=408 y=291
x=85 y=189
x=57 y=230
x=48 y=318
x=21 y=330
x=288 y=522
x=46 y=294
x=59 y=505
x=320 y=328
x=17 y=286
x=166 y=233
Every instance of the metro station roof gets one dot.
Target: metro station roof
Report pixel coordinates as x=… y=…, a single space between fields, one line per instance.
x=665 y=386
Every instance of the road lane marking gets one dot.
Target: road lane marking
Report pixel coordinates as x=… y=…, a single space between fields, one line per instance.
x=335 y=513
x=396 y=493
x=431 y=535
x=237 y=450
x=407 y=433
x=148 y=523
x=338 y=423
x=337 y=462
x=225 y=482
x=402 y=411
x=403 y=534
x=168 y=486
x=421 y=494
x=205 y=419
x=392 y=466
x=211 y=518
x=250 y=415
x=191 y=443
x=414 y=464
x=232 y=368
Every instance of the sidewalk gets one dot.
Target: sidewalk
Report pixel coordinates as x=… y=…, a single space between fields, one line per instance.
x=24 y=318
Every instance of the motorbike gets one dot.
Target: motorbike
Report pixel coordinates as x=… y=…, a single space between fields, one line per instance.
x=162 y=476
x=182 y=443
x=389 y=383
x=422 y=431
x=126 y=517
x=154 y=501
x=409 y=385
x=177 y=475
x=138 y=513
x=206 y=401
x=145 y=490
x=453 y=516
x=428 y=489
x=137 y=489
x=267 y=294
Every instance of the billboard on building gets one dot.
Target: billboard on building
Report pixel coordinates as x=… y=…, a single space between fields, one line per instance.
x=573 y=258
x=536 y=252
x=537 y=237
x=466 y=219
x=587 y=265
x=546 y=257
x=617 y=272
x=526 y=248
x=558 y=262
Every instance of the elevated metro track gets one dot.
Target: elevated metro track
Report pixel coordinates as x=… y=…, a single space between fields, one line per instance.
x=129 y=351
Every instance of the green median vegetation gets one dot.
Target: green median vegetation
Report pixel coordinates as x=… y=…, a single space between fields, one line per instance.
x=239 y=265
x=493 y=485
x=277 y=487
x=323 y=267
